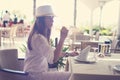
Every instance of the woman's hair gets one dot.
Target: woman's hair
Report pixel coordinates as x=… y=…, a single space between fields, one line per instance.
x=39 y=27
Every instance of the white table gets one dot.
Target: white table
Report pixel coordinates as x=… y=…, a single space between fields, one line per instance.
x=101 y=70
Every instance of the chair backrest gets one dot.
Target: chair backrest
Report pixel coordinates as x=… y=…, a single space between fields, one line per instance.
x=114 y=43
x=80 y=37
x=92 y=44
x=97 y=36
x=10 y=33
x=9 y=59
x=9 y=66
x=13 y=31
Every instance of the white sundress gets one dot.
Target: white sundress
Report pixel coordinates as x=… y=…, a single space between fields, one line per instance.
x=36 y=61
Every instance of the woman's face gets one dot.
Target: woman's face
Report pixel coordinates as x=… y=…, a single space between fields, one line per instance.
x=49 y=21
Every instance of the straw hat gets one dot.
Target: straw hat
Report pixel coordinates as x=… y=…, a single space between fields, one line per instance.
x=45 y=10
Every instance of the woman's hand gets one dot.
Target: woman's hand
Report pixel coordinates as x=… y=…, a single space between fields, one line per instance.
x=58 y=50
x=74 y=53
x=63 y=33
x=67 y=54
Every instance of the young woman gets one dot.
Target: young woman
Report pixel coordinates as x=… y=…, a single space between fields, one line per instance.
x=39 y=52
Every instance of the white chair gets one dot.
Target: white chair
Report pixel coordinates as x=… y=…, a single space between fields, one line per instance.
x=11 y=34
x=9 y=59
x=114 y=48
x=10 y=67
x=80 y=37
x=77 y=38
x=8 y=74
x=20 y=30
x=97 y=35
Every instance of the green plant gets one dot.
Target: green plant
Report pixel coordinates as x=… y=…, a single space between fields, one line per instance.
x=86 y=30
x=65 y=49
x=103 y=30
x=60 y=62
x=61 y=59
x=52 y=43
x=96 y=28
x=23 y=48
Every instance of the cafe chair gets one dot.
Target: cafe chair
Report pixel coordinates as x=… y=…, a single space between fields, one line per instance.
x=11 y=34
x=94 y=45
x=114 y=45
x=20 y=31
x=9 y=74
x=78 y=38
x=9 y=59
x=9 y=66
x=97 y=35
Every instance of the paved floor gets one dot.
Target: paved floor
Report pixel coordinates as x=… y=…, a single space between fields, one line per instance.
x=18 y=44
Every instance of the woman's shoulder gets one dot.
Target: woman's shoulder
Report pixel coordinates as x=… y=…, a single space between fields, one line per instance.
x=36 y=35
x=39 y=37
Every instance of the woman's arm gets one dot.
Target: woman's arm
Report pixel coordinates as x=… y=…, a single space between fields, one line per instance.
x=58 y=50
